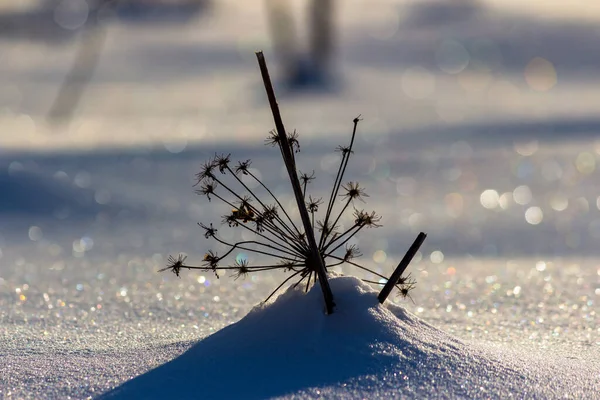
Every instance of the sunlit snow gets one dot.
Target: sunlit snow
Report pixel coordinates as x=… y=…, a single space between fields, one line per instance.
x=363 y=350
x=480 y=127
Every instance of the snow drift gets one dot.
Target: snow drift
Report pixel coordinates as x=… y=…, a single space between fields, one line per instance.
x=291 y=347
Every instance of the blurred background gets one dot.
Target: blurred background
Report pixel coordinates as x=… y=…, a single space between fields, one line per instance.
x=98 y=74
x=481 y=127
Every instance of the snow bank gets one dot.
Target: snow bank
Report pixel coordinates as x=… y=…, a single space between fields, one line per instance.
x=363 y=350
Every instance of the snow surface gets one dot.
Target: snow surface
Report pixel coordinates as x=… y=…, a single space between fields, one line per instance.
x=503 y=178
x=290 y=344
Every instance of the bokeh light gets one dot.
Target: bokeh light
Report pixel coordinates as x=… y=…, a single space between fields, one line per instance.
x=437 y=257
x=522 y=195
x=406 y=186
x=527 y=148
x=452 y=57
x=489 y=199
x=102 y=196
x=534 y=215
x=35 y=233
x=586 y=163
x=379 y=256
x=505 y=200
x=559 y=202
x=71 y=14
x=540 y=74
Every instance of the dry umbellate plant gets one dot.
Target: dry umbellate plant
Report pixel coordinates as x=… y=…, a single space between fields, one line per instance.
x=285 y=244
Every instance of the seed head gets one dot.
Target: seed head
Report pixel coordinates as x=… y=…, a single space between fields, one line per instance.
x=293 y=141
x=211 y=261
x=243 y=167
x=352 y=252
x=208 y=231
x=272 y=139
x=231 y=219
x=363 y=218
x=206 y=171
x=175 y=264
x=207 y=188
x=313 y=204
x=344 y=150
x=241 y=269
x=270 y=212
x=222 y=162
x=354 y=191
x=327 y=229
x=305 y=178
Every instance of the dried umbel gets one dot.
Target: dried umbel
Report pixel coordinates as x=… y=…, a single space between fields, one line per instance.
x=277 y=238
x=293 y=248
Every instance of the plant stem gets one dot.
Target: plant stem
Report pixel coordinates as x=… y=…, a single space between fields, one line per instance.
x=354 y=264
x=387 y=289
x=239 y=246
x=269 y=227
x=330 y=231
x=339 y=237
x=288 y=159
x=338 y=179
x=276 y=200
x=282 y=283
x=343 y=243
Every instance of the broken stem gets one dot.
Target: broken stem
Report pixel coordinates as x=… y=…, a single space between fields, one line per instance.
x=387 y=289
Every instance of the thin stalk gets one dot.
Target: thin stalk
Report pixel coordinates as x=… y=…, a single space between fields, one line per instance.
x=254 y=209
x=291 y=169
x=373 y=282
x=341 y=171
x=308 y=283
x=263 y=205
x=275 y=245
x=238 y=246
x=336 y=183
x=345 y=240
x=304 y=189
x=387 y=289
x=289 y=253
x=277 y=233
x=226 y=267
x=282 y=283
x=304 y=274
x=339 y=237
x=326 y=234
x=276 y=200
x=297 y=252
x=358 y=266
x=336 y=264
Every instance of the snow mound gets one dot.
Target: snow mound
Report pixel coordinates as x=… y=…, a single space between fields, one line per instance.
x=291 y=347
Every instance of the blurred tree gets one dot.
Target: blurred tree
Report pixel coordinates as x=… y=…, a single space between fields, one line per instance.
x=313 y=68
x=92 y=40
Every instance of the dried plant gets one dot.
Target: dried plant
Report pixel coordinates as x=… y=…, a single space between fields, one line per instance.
x=287 y=246
x=277 y=237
